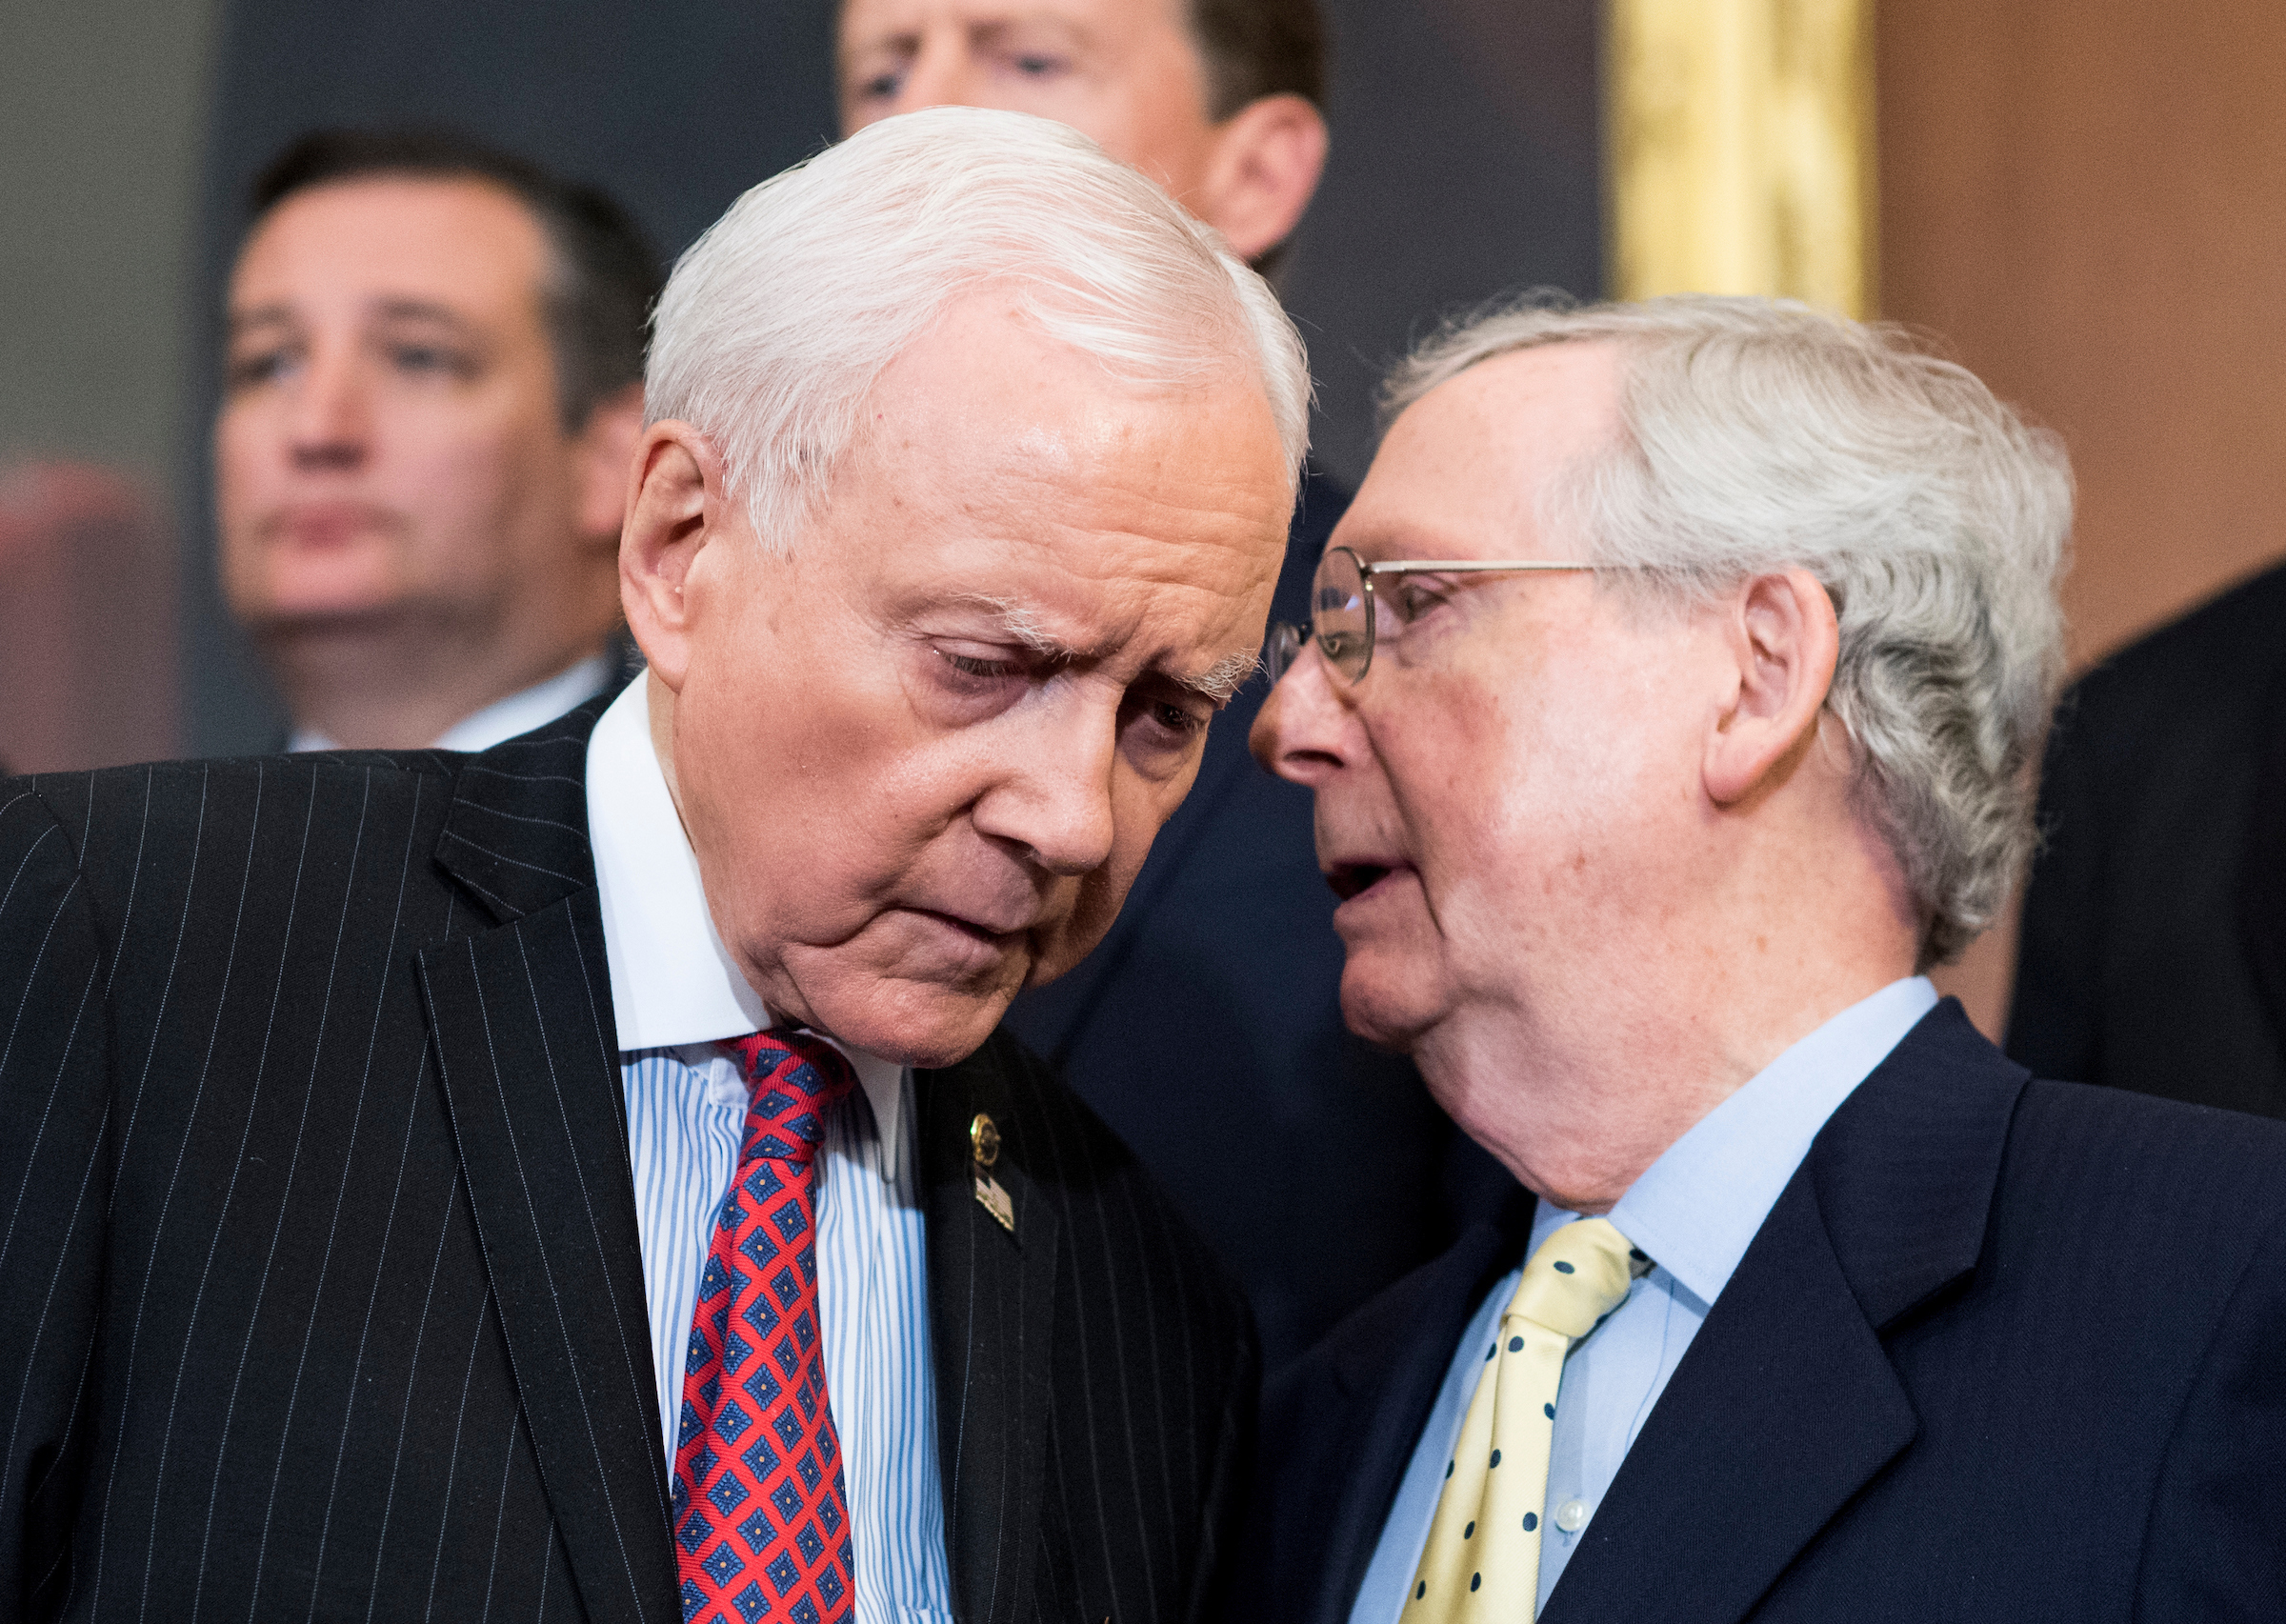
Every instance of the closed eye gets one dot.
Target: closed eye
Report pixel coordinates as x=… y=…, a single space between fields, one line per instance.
x=968 y=665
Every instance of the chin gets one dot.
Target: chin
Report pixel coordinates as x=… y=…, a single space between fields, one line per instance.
x=916 y=1023
x=1392 y=1012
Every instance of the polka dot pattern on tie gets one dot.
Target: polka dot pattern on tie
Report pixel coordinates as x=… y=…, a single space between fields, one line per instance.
x=1580 y=1275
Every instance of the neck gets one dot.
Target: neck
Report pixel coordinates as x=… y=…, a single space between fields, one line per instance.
x=1582 y=1078
x=384 y=683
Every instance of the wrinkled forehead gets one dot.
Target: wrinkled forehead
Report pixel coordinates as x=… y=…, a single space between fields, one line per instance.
x=1464 y=471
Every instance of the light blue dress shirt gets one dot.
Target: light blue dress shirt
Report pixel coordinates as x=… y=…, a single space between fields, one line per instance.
x=1694 y=1210
x=675 y=995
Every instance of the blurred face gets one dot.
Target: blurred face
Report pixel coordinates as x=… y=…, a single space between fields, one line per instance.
x=921 y=760
x=1515 y=774
x=389 y=443
x=1124 y=71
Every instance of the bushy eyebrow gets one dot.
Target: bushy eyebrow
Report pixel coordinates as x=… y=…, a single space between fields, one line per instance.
x=1224 y=679
x=1218 y=683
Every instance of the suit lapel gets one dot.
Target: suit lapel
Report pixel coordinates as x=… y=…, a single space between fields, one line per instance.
x=1787 y=1404
x=521 y=1019
x=1387 y=1363
x=2262 y=877
x=992 y=1320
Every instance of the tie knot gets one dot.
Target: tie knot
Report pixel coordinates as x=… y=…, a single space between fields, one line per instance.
x=1580 y=1273
x=794 y=1077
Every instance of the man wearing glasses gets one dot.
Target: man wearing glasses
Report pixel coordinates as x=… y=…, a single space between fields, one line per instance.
x=1667 y=701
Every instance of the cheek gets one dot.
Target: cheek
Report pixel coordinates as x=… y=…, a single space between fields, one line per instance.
x=476 y=486
x=820 y=794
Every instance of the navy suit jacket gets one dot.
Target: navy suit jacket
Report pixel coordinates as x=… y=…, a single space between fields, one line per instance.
x=2153 y=950
x=2003 y=1350
x=1207 y=1030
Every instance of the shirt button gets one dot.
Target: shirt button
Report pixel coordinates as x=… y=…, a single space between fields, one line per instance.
x=1572 y=1515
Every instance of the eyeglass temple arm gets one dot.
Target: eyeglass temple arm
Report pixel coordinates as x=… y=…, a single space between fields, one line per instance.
x=1424 y=565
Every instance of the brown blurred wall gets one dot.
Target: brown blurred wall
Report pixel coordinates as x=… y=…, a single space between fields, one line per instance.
x=2087 y=200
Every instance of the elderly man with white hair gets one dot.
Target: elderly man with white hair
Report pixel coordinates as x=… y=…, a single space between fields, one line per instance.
x=1667 y=701
x=583 y=1180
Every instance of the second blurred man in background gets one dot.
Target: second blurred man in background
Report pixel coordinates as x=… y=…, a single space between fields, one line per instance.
x=1207 y=1022
x=434 y=387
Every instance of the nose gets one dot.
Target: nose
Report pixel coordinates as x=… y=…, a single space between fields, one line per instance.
x=329 y=420
x=1052 y=796
x=1306 y=731
x=940 y=74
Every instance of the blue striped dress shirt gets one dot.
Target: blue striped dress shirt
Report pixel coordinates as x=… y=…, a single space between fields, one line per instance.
x=675 y=995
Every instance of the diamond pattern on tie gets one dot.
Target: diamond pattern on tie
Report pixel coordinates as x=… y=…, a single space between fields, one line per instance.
x=748 y=1512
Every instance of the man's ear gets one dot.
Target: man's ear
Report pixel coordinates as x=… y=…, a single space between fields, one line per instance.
x=675 y=507
x=605 y=444
x=1266 y=162
x=1785 y=637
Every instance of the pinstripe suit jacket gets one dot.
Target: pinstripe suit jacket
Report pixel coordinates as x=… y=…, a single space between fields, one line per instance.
x=320 y=1294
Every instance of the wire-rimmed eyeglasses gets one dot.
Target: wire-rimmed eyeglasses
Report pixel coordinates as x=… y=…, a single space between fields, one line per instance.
x=1342 y=607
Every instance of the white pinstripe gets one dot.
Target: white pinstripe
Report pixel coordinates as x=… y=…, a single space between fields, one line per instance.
x=151 y=1263
x=412 y=1372
x=389 y=1223
x=253 y=1097
x=685 y=1109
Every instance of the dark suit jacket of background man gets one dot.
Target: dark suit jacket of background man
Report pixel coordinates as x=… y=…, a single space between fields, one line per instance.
x=2153 y=949
x=2003 y=1350
x=320 y=1291
x=1207 y=1029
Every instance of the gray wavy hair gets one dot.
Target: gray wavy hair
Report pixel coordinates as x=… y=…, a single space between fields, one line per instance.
x=777 y=322
x=1760 y=435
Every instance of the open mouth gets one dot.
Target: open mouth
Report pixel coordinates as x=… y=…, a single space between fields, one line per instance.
x=1351 y=878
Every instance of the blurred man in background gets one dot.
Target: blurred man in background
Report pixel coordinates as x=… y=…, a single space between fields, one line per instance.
x=435 y=360
x=1226 y=941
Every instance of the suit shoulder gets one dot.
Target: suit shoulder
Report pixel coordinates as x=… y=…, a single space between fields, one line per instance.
x=126 y=827
x=2147 y=1160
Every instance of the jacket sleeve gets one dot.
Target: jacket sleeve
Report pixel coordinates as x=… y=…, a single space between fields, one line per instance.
x=2052 y=1020
x=54 y=1190
x=2215 y=1548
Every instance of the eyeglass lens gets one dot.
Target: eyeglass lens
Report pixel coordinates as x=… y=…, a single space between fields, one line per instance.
x=1341 y=612
x=1284 y=647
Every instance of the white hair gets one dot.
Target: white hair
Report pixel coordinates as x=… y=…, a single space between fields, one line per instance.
x=776 y=323
x=1759 y=435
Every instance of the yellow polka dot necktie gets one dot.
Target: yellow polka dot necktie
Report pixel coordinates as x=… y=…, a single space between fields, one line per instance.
x=1482 y=1561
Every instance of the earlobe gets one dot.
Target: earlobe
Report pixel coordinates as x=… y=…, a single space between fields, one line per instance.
x=673 y=497
x=1784 y=637
x=1266 y=161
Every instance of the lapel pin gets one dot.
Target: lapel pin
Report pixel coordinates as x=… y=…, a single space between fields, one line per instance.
x=984 y=1144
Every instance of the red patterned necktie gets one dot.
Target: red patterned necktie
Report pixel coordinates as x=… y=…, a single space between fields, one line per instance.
x=760 y=1516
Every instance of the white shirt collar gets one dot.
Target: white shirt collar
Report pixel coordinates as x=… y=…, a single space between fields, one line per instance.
x=1697 y=1207
x=503 y=719
x=672 y=981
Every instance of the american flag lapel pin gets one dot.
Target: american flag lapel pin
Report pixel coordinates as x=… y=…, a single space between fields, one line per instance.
x=984 y=1145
